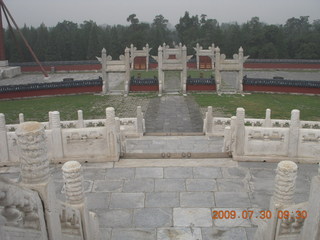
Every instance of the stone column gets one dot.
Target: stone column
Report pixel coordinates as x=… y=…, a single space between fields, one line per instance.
x=132 y=56
x=56 y=134
x=267 y=121
x=197 y=48
x=311 y=228
x=209 y=118
x=184 y=71
x=140 y=121
x=147 y=56
x=35 y=173
x=227 y=140
x=73 y=182
x=80 y=122
x=217 y=69
x=4 y=150
x=113 y=148
x=294 y=134
x=160 y=72
x=105 y=83
x=212 y=56
x=21 y=118
x=127 y=74
x=233 y=133
x=283 y=195
x=240 y=75
x=240 y=132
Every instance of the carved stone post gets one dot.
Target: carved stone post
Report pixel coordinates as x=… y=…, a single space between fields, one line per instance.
x=80 y=122
x=233 y=134
x=217 y=69
x=21 y=118
x=197 y=48
x=57 y=144
x=240 y=75
x=127 y=68
x=267 y=121
x=227 y=140
x=147 y=57
x=209 y=118
x=160 y=72
x=294 y=133
x=4 y=150
x=73 y=180
x=35 y=172
x=184 y=70
x=105 y=83
x=311 y=228
x=213 y=56
x=140 y=128
x=283 y=195
x=240 y=132
x=132 y=56
x=113 y=148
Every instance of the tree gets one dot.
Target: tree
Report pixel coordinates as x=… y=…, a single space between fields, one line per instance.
x=188 y=29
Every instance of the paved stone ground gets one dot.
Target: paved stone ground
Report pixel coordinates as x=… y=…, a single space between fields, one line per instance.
x=174 y=144
x=176 y=202
x=173 y=113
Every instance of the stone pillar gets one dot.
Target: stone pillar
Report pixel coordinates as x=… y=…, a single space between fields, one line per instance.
x=283 y=195
x=57 y=143
x=113 y=148
x=21 y=118
x=240 y=75
x=227 y=140
x=73 y=182
x=240 y=132
x=105 y=83
x=217 y=69
x=147 y=57
x=311 y=228
x=212 y=56
x=267 y=121
x=209 y=118
x=294 y=134
x=160 y=72
x=127 y=74
x=184 y=71
x=132 y=56
x=80 y=122
x=4 y=150
x=233 y=133
x=197 y=48
x=140 y=121
x=35 y=173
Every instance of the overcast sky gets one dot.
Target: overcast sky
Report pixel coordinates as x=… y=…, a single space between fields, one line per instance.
x=50 y=12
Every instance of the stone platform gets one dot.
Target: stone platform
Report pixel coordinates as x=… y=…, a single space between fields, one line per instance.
x=174 y=199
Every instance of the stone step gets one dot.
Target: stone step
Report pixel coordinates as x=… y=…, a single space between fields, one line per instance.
x=175 y=155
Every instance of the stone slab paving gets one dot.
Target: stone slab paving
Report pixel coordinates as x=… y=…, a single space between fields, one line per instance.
x=173 y=113
x=175 y=200
x=174 y=144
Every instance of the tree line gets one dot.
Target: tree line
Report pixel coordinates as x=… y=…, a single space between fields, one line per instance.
x=296 y=39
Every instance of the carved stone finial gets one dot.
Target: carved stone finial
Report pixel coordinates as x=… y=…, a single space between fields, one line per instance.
x=72 y=175
x=217 y=49
x=55 y=119
x=285 y=182
x=160 y=48
x=241 y=49
x=110 y=116
x=33 y=152
x=104 y=51
x=2 y=122
x=147 y=45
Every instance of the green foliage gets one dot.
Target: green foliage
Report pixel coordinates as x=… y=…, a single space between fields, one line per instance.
x=297 y=38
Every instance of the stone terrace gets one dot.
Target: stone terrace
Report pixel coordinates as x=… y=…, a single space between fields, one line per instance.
x=168 y=199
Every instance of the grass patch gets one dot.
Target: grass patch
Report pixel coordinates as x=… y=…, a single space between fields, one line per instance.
x=144 y=74
x=93 y=106
x=197 y=73
x=256 y=104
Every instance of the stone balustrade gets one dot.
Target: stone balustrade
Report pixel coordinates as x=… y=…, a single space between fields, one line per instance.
x=289 y=220
x=79 y=139
x=30 y=209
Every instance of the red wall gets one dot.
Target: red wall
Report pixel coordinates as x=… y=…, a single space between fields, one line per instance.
x=87 y=67
x=48 y=92
x=282 y=65
x=201 y=87
x=144 y=88
x=255 y=88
